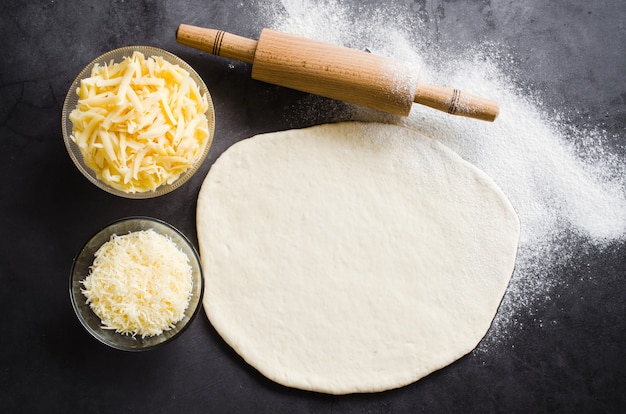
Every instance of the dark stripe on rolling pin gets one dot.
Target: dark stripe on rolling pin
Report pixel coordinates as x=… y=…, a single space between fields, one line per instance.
x=217 y=45
x=454 y=102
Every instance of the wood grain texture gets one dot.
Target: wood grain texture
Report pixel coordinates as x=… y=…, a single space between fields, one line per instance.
x=335 y=72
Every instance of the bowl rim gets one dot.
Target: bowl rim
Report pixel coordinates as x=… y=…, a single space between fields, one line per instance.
x=77 y=159
x=78 y=311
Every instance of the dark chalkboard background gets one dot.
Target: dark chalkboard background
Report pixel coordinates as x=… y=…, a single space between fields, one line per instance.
x=571 y=54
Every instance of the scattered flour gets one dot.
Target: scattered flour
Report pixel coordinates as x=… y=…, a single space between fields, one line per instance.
x=564 y=182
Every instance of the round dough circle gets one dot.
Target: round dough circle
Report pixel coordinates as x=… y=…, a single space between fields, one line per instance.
x=352 y=257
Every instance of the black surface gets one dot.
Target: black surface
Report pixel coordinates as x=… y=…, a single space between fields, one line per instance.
x=571 y=54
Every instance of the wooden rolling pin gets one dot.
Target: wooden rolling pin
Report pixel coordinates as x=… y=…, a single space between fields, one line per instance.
x=336 y=72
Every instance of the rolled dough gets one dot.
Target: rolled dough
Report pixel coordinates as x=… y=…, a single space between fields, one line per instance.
x=352 y=257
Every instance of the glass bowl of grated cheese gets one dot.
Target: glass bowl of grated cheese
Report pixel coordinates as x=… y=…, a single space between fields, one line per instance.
x=138 y=122
x=136 y=284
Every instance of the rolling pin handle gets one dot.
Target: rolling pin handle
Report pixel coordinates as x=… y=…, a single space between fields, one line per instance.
x=217 y=42
x=456 y=102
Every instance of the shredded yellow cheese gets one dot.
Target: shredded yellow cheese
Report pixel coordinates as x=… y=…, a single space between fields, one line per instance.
x=140 y=123
x=139 y=284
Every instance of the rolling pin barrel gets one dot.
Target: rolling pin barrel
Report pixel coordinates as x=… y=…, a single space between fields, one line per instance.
x=336 y=72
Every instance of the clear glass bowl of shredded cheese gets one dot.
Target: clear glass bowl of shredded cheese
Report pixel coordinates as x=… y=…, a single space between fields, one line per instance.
x=136 y=284
x=138 y=121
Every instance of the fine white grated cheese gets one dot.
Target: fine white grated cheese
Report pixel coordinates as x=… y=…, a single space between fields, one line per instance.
x=140 y=123
x=140 y=283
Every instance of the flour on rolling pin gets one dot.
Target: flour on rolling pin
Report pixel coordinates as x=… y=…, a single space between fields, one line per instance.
x=342 y=73
x=336 y=72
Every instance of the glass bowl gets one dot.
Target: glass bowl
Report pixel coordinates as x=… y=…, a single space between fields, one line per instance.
x=81 y=267
x=71 y=101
